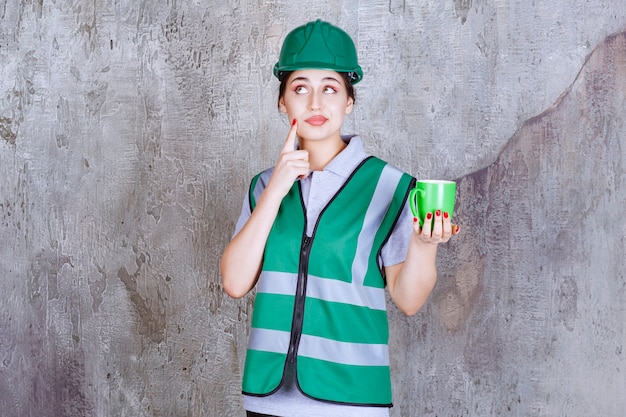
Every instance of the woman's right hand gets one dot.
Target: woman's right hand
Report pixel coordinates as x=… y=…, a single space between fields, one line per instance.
x=241 y=261
x=291 y=165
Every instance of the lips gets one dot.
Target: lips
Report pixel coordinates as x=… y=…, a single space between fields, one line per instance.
x=316 y=120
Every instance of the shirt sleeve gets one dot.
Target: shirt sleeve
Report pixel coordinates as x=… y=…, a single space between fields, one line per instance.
x=394 y=251
x=246 y=212
x=244 y=216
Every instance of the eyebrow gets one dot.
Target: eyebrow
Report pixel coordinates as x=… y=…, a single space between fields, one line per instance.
x=308 y=80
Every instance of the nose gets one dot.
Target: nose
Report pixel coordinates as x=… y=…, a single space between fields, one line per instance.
x=315 y=100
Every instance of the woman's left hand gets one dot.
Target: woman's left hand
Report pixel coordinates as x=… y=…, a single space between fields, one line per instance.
x=438 y=231
x=411 y=282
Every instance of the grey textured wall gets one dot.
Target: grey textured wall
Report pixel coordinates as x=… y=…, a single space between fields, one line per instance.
x=130 y=129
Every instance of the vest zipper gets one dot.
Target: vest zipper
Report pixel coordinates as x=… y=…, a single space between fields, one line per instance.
x=303 y=273
x=298 y=310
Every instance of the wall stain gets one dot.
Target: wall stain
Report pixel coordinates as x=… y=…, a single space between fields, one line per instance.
x=461 y=7
x=67 y=384
x=94 y=99
x=216 y=296
x=6 y=131
x=455 y=305
x=7 y=343
x=397 y=6
x=567 y=296
x=20 y=98
x=152 y=320
x=64 y=123
x=97 y=288
x=43 y=277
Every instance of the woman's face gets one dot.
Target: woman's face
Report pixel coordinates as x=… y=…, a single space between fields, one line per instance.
x=318 y=99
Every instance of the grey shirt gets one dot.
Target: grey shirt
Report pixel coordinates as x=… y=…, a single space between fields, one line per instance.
x=317 y=190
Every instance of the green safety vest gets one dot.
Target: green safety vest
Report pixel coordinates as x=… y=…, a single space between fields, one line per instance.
x=320 y=300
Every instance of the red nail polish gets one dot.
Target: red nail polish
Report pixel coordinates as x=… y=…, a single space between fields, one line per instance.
x=445 y=215
x=293 y=123
x=438 y=213
x=414 y=219
x=429 y=216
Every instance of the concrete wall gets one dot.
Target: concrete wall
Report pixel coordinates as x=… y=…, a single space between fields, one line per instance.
x=129 y=131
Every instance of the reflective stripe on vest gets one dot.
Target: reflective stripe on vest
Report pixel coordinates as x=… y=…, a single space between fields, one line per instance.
x=364 y=354
x=337 y=335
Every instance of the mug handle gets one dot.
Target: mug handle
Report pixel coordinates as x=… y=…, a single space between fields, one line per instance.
x=413 y=204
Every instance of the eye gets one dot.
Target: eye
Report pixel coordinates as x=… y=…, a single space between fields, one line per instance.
x=300 y=89
x=329 y=90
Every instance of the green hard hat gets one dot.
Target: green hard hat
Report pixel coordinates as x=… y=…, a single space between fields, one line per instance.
x=319 y=45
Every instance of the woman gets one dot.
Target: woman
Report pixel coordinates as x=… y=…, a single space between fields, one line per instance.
x=320 y=236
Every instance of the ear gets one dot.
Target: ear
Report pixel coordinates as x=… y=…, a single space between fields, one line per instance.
x=281 y=105
x=349 y=105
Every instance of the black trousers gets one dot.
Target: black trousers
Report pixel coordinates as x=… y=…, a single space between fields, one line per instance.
x=252 y=414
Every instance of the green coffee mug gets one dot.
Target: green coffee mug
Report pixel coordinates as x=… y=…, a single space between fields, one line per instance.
x=432 y=195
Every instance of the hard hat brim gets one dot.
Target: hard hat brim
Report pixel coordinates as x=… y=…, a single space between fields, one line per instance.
x=356 y=74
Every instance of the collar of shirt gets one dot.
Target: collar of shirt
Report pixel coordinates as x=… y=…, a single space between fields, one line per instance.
x=319 y=187
x=347 y=160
